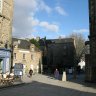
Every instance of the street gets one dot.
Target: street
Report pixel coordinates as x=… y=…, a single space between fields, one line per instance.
x=43 y=85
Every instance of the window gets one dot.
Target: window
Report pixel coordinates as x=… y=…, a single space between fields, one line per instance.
x=23 y=56
x=33 y=49
x=14 y=55
x=31 y=56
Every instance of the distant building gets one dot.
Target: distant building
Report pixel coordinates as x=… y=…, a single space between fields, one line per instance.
x=27 y=54
x=58 y=53
x=6 y=16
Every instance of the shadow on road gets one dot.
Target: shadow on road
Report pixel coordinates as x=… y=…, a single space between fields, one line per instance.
x=80 y=79
x=42 y=89
x=52 y=90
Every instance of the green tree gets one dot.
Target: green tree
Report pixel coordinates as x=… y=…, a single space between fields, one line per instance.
x=35 y=42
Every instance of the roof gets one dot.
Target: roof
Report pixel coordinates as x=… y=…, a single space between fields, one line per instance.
x=56 y=41
x=62 y=40
x=22 y=43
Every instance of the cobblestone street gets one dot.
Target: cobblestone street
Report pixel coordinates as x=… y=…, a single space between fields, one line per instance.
x=43 y=85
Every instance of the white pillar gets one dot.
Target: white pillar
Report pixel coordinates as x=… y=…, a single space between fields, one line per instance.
x=64 y=76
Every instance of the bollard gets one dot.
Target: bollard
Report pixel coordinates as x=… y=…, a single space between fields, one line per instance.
x=64 y=76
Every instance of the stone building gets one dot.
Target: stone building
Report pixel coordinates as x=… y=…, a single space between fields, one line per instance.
x=91 y=58
x=58 y=53
x=6 y=15
x=27 y=54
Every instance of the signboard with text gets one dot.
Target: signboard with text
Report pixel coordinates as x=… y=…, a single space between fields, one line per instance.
x=18 y=69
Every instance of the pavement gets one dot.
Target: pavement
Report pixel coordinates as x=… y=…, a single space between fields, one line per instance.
x=26 y=79
x=75 y=84
x=41 y=85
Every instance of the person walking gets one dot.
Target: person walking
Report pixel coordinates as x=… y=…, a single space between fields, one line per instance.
x=30 y=72
x=56 y=74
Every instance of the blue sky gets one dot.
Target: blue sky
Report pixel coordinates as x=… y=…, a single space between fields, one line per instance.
x=50 y=18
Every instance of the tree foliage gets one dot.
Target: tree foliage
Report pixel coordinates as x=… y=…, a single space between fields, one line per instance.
x=35 y=42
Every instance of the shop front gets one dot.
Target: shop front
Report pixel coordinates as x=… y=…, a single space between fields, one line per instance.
x=5 y=56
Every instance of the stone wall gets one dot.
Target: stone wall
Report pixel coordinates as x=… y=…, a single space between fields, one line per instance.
x=60 y=55
x=91 y=66
x=6 y=23
x=31 y=60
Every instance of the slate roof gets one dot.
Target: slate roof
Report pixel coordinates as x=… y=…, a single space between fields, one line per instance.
x=56 y=41
x=23 y=44
x=65 y=40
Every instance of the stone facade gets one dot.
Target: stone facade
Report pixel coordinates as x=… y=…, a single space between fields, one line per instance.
x=6 y=14
x=58 y=53
x=27 y=54
x=91 y=64
x=61 y=54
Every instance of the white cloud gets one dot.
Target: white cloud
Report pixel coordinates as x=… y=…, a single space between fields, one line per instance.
x=34 y=22
x=24 y=17
x=81 y=30
x=45 y=7
x=62 y=36
x=44 y=24
x=50 y=27
x=60 y=10
x=33 y=5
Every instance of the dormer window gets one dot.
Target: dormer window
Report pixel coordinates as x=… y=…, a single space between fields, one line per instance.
x=32 y=49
